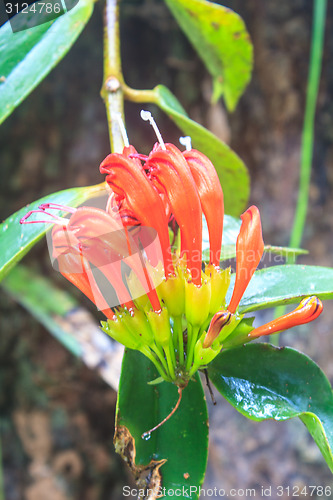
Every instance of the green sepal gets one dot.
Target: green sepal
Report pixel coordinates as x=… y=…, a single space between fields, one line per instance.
x=160 y=325
x=240 y=335
x=197 y=302
x=156 y=381
x=118 y=331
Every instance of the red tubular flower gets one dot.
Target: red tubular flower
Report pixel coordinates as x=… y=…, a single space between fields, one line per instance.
x=308 y=310
x=211 y=198
x=138 y=201
x=249 y=250
x=74 y=267
x=171 y=175
x=105 y=243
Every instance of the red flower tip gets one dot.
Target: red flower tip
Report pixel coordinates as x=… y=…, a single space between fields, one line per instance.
x=211 y=198
x=249 y=250
x=308 y=310
x=220 y=319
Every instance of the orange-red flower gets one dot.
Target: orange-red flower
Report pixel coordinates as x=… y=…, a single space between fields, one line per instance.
x=249 y=250
x=156 y=282
x=308 y=310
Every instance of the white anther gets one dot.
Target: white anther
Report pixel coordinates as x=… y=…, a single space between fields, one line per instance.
x=147 y=117
x=115 y=115
x=186 y=141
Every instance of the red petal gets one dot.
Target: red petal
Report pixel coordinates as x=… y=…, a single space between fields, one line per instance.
x=211 y=198
x=170 y=174
x=249 y=250
x=143 y=203
x=105 y=243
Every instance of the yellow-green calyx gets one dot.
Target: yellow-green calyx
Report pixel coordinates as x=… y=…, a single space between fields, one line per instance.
x=178 y=339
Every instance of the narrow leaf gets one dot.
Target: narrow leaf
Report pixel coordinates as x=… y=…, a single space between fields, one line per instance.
x=46 y=303
x=222 y=41
x=263 y=382
x=74 y=327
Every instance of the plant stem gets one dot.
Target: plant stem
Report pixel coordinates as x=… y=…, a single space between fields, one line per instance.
x=112 y=92
x=160 y=356
x=146 y=351
x=190 y=346
x=2 y=485
x=139 y=95
x=318 y=29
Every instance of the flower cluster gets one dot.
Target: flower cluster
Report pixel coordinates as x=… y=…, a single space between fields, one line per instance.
x=170 y=305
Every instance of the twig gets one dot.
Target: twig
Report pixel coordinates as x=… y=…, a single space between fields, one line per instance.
x=112 y=91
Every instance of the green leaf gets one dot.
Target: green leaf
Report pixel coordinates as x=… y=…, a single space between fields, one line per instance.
x=48 y=304
x=220 y=37
x=29 y=55
x=231 y=170
x=72 y=325
x=182 y=440
x=279 y=285
x=231 y=227
x=263 y=382
x=16 y=239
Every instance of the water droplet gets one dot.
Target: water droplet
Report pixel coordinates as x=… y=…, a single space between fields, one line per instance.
x=146 y=436
x=5 y=227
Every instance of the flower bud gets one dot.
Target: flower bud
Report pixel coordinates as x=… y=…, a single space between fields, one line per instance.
x=220 y=319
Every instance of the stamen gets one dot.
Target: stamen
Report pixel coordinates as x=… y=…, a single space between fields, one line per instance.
x=56 y=206
x=57 y=220
x=146 y=434
x=147 y=117
x=186 y=141
x=117 y=117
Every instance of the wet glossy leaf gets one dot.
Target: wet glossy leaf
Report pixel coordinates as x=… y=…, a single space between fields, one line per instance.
x=29 y=55
x=230 y=168
x=16 y=239
x=287 y=284
x=222 y=41
x=263 y=382
x=182 y=441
